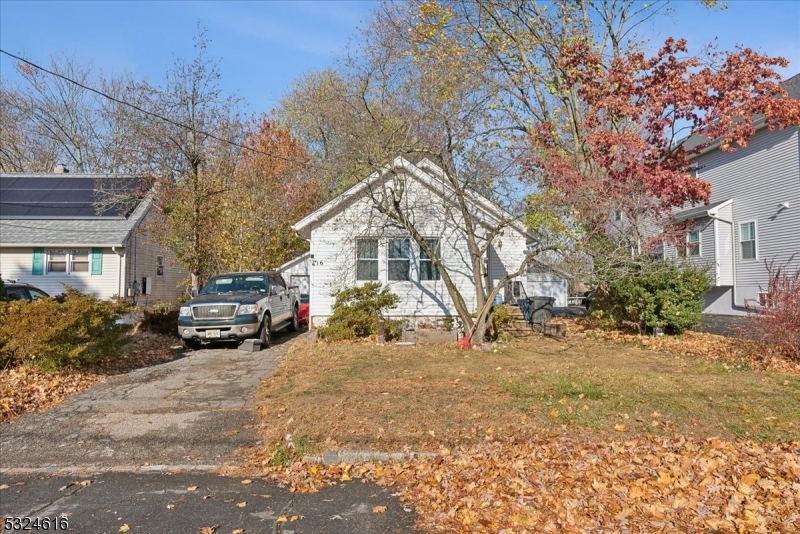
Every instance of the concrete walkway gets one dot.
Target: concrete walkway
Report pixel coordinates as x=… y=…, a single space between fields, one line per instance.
x=139 y=440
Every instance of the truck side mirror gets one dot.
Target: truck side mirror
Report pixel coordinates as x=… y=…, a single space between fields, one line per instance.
x=194 y=293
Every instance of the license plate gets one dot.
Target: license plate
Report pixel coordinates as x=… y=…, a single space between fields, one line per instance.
x=212 y=333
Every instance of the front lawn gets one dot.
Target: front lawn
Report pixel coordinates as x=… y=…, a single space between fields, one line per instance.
x=585 y=435
x=362 y=396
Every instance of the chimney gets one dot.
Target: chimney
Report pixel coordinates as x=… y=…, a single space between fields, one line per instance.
x=60 y=169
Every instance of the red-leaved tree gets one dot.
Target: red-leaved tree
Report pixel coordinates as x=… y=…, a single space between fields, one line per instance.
x=624 y=167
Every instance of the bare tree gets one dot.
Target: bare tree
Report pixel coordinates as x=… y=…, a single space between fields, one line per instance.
x=194 y=154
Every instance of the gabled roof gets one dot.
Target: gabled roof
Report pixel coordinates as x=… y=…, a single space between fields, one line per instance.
x=63 y=209
x=701 y=211
x=294 y=261
x=427 y=173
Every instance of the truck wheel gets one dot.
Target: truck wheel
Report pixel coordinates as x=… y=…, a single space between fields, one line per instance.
x=266 y=332
x=294 y=326
x=191 y=344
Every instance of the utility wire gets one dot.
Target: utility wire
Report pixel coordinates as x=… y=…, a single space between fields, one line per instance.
x=150 y=113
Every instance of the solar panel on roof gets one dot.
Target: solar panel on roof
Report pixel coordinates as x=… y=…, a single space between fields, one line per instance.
x=67 y=196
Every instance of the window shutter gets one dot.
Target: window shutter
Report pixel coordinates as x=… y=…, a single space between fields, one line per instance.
x=97 y=261
x=38 y=261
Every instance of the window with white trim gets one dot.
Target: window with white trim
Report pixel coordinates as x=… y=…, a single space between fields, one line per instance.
x=747 y=240
x=68 y=261
x=693 y=243
x=57 y=261
x=399 y=260
x=427 y=269
x=366 y=259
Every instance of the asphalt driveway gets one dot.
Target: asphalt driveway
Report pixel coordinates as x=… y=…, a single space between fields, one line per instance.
x=191 y=413
x=139 y=453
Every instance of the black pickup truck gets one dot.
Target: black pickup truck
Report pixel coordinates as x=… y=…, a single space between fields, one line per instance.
x=237 y=306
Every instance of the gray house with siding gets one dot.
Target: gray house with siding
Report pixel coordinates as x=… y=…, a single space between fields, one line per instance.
x=753 y=216
x=87 y=231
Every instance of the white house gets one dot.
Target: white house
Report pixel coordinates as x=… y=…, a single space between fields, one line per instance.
x=352 y=243
x=70 y=229
x=753 y=214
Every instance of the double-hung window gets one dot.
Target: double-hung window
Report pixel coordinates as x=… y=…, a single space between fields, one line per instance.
x=79 y=261
x=747 y=240
x=57 y=261
x=68 y=261
x=60 y=261
x=693 y=243
x=399 y=260
x=427 y=269
x=366 y=259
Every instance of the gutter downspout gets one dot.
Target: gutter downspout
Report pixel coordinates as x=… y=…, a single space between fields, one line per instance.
x=715 y=218
x=120 y=272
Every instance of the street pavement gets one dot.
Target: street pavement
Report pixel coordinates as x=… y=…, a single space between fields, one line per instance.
x=128 y=451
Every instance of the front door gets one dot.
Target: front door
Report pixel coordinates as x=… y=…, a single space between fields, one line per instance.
x=513 y=291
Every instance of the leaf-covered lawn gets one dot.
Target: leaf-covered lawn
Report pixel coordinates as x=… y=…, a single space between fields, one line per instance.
x=585 y=435
x=26 y=389
x=362 y=396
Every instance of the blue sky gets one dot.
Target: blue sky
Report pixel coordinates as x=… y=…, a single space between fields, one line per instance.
x=263 y=46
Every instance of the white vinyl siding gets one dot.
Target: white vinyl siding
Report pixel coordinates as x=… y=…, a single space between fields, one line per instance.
x=333 y=243
x=15 y=264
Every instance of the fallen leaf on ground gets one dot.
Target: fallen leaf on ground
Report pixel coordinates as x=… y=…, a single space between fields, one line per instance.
x=378 y=509
x=241 y=504
x=124 y=528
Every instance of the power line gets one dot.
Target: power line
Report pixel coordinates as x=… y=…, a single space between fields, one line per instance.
x=146 y=112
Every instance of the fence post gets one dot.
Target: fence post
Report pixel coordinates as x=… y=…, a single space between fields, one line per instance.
x=381 y=339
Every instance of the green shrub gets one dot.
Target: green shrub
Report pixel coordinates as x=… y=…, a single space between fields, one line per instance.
x=161 y=318
x=357 y=310
x=50 y=334
x=650 y=295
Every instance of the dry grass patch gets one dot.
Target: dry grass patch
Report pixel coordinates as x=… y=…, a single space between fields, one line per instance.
x=362 y=396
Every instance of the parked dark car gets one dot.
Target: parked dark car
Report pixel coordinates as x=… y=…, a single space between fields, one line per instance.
x=22 y=291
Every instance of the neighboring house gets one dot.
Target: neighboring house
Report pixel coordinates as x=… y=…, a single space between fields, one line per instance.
x=541 y=280
x=351 y=243
x=546 y=281
x=73 y=229
x=753 y=215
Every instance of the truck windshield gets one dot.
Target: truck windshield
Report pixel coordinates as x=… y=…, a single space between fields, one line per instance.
x=235 y=284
